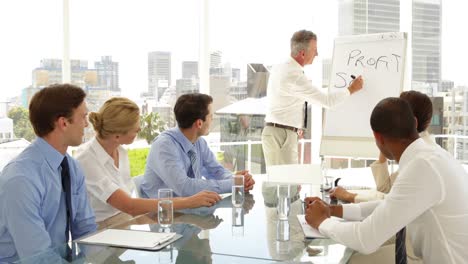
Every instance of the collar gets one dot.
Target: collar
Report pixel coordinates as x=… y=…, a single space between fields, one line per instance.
x=411 y=151
x=51 y=155
x=182 y=139
x=294 y=63
x=101 y=155
x=425 y=133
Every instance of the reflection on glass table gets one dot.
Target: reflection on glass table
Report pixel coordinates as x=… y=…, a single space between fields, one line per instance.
x=108 y=255
x=225 y=234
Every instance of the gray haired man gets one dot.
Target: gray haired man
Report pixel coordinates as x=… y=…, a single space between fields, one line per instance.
x=288 y=90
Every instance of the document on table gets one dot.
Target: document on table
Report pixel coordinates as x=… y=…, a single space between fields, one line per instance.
x=309 y=231
x=130 y=239
x=224 y=195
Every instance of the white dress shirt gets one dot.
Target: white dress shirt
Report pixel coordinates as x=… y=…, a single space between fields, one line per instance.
x=288 y=89
x=383 y=179
x=429 y=197
x=103 y=178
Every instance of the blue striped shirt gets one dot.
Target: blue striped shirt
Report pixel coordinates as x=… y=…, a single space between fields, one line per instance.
x=32 y=203
x=169 y=166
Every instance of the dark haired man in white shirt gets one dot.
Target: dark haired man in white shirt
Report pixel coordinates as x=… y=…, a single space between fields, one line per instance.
x=428 y=199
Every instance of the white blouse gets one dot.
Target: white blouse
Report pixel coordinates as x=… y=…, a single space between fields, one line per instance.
x=103 y=178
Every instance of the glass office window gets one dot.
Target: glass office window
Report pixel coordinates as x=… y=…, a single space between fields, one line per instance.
x=31 y=38
x=145 y=50
x=246 y=38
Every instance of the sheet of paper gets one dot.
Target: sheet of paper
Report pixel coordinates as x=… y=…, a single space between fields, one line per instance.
x=128 y=238
x=309 y=231
x=224 y=195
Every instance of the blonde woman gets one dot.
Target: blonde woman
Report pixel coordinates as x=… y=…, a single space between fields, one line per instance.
x=107 y=170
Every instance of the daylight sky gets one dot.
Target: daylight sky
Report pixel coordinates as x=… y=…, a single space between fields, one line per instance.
x=244 y=30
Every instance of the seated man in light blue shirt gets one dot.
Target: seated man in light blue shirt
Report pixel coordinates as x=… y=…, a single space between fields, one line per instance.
x=42 y=191
x=179 y=157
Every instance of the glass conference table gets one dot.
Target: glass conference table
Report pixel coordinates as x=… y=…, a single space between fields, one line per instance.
x=220 y=234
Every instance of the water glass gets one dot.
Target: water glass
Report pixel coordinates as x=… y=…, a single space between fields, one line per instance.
x=237 y=216
x=237 y=190
x=237 y=221
x=165 y=207
x=165 y=212
x=165 y=193
x=282 y=230
x=283 y=243
x=284 y=201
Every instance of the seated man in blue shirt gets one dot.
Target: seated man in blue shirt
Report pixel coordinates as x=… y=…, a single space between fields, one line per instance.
x=42 y=191
x=179 y=157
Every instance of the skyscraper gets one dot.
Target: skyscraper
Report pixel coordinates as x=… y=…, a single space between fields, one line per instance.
x=190 y=69
x=236 y=75
x=107 y=74
x=427 y=20
x=216 y=59
x=159 y=72
x=50 y=72
x=377 y=16
x=189 y=82
x=368 y=16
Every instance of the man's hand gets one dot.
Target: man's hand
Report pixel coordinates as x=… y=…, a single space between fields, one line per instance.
x=248 y=202
x=356 y=85
x=341 y=194
x=204 y=198
x=249 y=182
x=310 y=200
x=300 y=133
x=317 y=212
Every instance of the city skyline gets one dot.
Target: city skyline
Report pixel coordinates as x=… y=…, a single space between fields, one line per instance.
x=133 y=71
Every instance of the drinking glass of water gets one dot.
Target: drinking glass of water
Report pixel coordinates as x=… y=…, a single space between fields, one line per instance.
x=165 y=193
x=165 y=207
x=237 y=221
x=284 y=201
x=237 y=190
x=282 y=230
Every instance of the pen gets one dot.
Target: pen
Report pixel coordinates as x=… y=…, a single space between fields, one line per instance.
x=338 y=179
x=353 y=77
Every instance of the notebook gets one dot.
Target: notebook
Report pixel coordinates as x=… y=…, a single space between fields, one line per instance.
x=309 y=231
x=130 y=239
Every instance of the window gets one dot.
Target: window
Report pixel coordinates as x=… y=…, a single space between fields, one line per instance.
x=149 y=51
x=31 y=33
x=244 y=47
x=136 y=49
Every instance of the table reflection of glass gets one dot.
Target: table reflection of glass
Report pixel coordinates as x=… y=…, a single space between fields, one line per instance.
x=237 y=221
x=209 y=237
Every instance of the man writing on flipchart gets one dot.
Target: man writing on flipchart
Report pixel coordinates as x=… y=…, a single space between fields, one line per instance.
x=288 y=92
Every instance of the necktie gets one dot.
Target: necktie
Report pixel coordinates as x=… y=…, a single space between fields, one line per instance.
x=66 y=185
x=193 y=159
x=400 y=247
x=305 y=114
